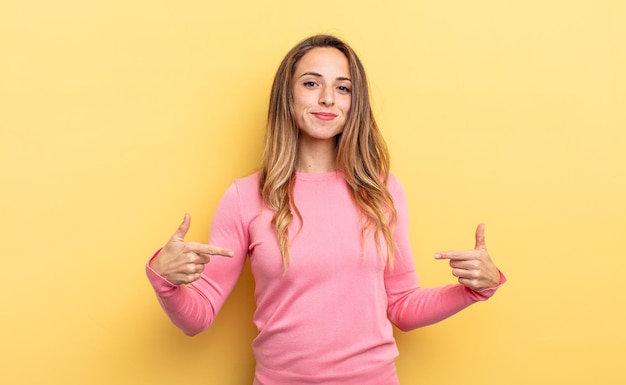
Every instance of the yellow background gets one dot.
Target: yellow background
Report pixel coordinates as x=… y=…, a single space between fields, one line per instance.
x=117 y=117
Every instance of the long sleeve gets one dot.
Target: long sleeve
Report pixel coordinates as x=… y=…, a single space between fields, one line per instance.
x=193 y=308
x=409 y=305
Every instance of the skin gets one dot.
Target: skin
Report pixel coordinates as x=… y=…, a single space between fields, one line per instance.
x=183 y=262
x=322 y=98
x=473 y=268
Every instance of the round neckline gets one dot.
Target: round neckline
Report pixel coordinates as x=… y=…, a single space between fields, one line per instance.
x=317 y=176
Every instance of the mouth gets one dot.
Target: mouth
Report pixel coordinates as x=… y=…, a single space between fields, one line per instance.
x=324 y=115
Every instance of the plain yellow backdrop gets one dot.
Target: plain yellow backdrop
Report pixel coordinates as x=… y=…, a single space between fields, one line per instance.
x=117 y=117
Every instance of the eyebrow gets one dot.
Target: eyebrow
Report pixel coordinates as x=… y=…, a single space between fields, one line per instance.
x=320 y=75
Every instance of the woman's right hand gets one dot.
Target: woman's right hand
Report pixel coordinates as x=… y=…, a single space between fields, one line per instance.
x=183 y=262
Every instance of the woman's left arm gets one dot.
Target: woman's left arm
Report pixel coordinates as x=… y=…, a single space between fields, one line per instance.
x=409 y=305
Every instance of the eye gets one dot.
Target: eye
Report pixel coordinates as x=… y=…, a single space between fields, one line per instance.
x=344 y=89
x=310 y=83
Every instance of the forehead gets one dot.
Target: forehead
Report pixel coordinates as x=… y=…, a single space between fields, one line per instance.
x=327 y=61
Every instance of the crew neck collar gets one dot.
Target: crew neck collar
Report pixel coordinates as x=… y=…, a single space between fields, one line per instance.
x=317 y=176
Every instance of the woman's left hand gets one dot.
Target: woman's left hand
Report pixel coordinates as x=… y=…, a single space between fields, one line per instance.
x=473 y=268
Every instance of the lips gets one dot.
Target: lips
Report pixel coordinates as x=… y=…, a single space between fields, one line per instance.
x=324 y=115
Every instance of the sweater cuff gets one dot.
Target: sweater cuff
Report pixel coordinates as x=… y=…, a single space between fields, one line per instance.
x=485 y=294
x=160 y=284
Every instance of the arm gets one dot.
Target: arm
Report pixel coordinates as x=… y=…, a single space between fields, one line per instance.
x=191 y=290
x=411 y=306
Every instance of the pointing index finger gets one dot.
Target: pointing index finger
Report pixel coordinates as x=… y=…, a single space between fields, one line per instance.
x=204 y=249
x=456 y=255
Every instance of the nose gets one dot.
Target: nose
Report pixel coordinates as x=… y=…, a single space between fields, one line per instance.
x=327 y=96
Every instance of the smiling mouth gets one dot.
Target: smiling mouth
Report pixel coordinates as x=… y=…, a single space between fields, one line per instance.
x=324 y=115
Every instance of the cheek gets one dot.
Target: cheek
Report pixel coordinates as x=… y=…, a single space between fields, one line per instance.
x=300 y=102
x=347 y=104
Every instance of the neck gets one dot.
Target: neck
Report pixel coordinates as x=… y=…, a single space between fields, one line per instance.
x=316 y=156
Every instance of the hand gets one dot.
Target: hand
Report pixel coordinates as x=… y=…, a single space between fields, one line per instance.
x=183 y=262
x=473 y=268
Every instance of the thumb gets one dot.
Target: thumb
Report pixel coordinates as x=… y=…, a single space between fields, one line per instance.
x=180 y=233
x=480 y=237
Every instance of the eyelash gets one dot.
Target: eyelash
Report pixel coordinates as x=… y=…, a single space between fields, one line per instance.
x=313 y=84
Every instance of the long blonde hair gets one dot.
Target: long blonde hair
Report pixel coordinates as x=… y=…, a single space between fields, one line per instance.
x=362 y=154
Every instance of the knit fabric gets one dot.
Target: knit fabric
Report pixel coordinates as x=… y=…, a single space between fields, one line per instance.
x=328 y=318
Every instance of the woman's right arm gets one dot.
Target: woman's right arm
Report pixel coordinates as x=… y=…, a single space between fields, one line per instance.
x=190 y=285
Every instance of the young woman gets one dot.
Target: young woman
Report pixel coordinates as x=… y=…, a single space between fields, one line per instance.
x=325 y=226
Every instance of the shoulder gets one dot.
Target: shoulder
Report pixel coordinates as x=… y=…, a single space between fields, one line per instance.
x=241 y=199
x=248 y=183
x=246 y=191
x=394 y=185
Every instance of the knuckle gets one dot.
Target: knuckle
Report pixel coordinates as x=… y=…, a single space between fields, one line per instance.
x=471 y=283
x=178 y=280
x=479 y=286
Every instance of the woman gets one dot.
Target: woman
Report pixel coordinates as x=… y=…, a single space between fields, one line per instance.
x=325 y=226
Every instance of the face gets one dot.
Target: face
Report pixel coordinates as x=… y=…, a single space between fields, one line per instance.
x=322 y=93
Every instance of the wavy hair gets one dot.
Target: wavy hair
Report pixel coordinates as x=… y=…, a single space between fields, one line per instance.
x=362 y=155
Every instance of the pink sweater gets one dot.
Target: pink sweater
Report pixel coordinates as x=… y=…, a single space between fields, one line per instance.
x=328 y=318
